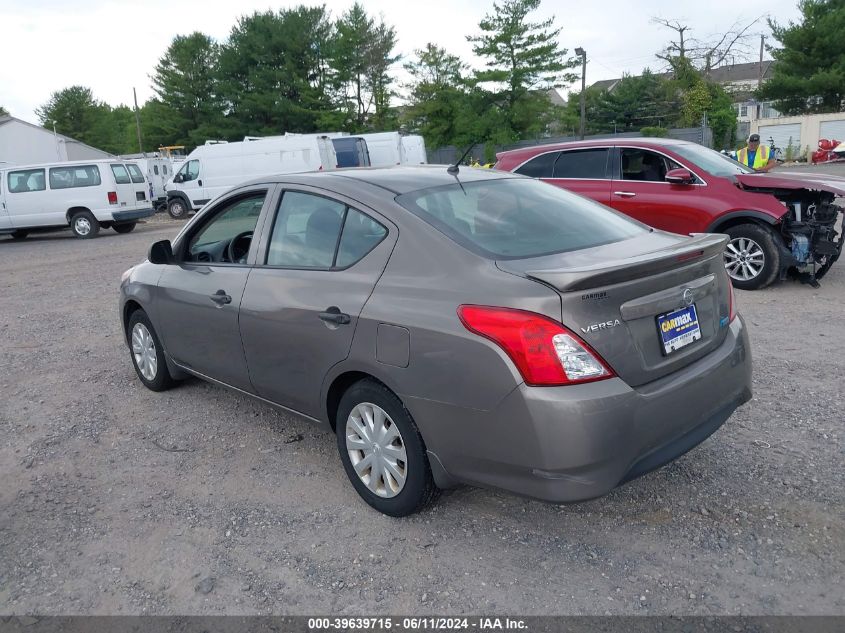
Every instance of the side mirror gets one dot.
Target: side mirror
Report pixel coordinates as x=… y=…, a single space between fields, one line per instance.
x=679 y=176
x=161 y=253
x=178 y=178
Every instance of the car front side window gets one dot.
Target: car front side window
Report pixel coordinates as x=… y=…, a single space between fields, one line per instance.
x=227 y=235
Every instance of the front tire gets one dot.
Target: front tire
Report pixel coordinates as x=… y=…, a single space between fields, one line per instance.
x=382 y=450
x=147 y=353
x=84 y=225
x=19 y=235
x=126 y=227
x=177 y=209
x=752 y=257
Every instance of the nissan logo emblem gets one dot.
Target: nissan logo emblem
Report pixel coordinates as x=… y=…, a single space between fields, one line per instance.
x=688 y=297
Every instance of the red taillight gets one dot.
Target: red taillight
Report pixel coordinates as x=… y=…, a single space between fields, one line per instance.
x=545 y=352
x=112 y=197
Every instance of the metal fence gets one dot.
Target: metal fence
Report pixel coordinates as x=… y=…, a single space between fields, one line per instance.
x=449 y=154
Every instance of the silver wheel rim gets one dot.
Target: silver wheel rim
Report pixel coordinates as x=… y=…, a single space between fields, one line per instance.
x=376 y=450
x=83 y=226
x=744 y=259
x=177 y=209
x=144 y=351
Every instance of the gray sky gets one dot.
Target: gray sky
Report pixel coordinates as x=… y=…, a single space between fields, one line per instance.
x=112 y=46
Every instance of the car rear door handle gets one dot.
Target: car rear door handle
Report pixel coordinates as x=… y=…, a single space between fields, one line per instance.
x=221 y=298
x=624 y=194
x=334 y=315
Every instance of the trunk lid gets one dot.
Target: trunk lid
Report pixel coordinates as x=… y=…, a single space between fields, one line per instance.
x=612 y=295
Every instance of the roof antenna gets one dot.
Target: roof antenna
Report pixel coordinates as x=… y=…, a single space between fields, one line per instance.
x=454 y=169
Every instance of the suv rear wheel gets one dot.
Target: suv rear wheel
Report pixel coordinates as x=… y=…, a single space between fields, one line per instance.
x=382 y=450
x=752 y=258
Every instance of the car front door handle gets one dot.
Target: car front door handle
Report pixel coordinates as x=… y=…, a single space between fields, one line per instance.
x=334 y=315
x=624 y=194
x=199 y=183
x=221 y=298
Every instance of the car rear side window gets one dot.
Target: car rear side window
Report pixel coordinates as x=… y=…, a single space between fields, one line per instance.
x=27 y=180
x=76 y=176
x=121 y=176
x=135 y=173
x=518 y=218
x=311 y=231
x=540 y=166
x=588 y=164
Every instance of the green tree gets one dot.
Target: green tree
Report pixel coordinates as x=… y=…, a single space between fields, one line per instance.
x=3 y=111
x=74 y=111
x=274 y=74
x=438 y=95
x=185 y=83
x=523 y=61
x=363 y=56
x=809 y=73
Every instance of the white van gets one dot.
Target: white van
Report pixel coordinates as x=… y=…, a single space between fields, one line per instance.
x=385 y=148
x=214 y=168
x=158 y=171
x=85 y=195
x=413 y=150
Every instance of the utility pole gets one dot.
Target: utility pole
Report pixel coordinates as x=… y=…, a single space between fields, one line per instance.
x=56 y=138
x=760 y=75
x=137 y=121
x=580 y=51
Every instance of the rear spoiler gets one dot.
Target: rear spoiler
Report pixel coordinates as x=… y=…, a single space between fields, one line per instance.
x=701 y=246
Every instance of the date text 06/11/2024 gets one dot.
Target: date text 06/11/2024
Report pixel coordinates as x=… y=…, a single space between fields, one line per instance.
x=417 y=624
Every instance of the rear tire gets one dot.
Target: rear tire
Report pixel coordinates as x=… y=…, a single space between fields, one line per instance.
x=417 y=490
x=177 y=209
x=84 y=225
x=752 y=257
x=126 y=227
x=19 y=235
x=147 y=354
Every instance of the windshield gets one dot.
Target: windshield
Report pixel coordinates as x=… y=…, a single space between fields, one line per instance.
x=711 y=161
x=516 y=218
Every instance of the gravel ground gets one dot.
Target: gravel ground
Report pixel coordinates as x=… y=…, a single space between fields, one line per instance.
x=117 y=500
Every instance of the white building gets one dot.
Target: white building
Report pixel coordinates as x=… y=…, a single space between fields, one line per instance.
x=23 y=143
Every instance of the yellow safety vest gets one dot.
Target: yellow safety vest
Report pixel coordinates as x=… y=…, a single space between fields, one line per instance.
x=761 y=158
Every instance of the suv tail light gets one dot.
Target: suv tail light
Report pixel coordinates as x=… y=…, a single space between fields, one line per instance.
x=112 y=197
x=545 y=352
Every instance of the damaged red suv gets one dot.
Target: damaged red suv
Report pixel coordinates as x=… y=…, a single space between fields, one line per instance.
x=779 y=223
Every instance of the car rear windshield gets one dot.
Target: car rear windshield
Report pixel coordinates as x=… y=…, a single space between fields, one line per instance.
x=710 y=160
x=517 y=218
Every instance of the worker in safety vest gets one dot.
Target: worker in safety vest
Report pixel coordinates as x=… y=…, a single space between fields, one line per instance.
x=755 y=156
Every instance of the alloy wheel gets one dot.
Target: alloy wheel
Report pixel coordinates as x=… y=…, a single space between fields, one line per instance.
x=744 y=259
x=144 y=351
x=376 y=450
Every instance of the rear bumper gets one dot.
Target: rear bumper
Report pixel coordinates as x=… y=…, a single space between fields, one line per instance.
x=134 y=214
x=563 y=444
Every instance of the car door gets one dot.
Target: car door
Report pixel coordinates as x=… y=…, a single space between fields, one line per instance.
x=321 y=259
x=123 y=186
x=199 y=295
x=5 y=221
x=191 y=183
x=584 y=171
x=25 y=201
x=639 y=189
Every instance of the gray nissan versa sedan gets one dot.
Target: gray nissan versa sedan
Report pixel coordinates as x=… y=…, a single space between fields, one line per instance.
x=478 y=327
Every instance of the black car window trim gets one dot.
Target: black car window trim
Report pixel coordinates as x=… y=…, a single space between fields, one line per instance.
x=607 y=161
x=262 y=263
x=185 y=238
x=617 y=168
